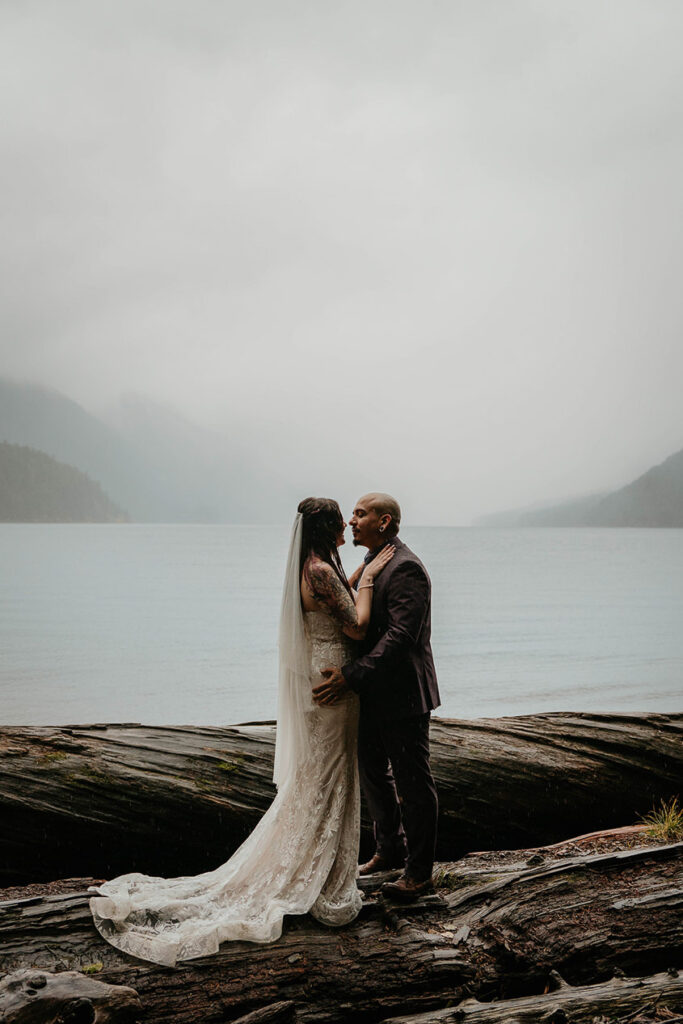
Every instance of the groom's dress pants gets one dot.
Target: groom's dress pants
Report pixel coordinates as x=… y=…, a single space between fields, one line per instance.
x=396 y=779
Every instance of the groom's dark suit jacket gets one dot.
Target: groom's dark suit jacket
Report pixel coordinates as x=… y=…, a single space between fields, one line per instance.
x=394 y=674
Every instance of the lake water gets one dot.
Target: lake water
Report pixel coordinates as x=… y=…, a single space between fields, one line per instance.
x=178 y=624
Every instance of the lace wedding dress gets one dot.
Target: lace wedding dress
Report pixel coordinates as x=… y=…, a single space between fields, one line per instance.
x=300 y=858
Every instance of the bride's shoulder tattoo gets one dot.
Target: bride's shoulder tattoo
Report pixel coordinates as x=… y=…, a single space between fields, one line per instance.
x=329 y=590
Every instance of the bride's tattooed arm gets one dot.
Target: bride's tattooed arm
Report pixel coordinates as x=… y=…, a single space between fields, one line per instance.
x=328 y=590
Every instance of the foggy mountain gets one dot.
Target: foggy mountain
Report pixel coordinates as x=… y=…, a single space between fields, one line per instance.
x=35 y=488
x=160 y=467
x=211 y=478
x=653 y=499
x=572 y=513
x=152 y=462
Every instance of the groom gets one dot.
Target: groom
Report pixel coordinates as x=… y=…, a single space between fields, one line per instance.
x=396 y=681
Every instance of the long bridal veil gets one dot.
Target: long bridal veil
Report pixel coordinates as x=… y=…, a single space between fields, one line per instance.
x=292 y=744
x=302 y=855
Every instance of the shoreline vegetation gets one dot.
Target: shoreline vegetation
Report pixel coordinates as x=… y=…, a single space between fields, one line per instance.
x=583 y=929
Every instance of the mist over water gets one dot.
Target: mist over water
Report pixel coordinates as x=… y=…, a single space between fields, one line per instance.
x=178 y=624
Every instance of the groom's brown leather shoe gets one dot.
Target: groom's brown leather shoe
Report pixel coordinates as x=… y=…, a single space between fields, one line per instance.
x=379 y=863
x=406 y=888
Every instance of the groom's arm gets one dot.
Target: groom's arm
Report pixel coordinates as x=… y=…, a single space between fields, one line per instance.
x=408 y=593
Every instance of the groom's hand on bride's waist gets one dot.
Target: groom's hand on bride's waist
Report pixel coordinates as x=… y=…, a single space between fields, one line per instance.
x=332 y=689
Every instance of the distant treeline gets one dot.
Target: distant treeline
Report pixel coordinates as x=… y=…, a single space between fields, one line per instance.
x=35 y=488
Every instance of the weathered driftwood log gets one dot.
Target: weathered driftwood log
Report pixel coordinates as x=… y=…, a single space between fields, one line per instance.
x=38 y=997
x=483 y=936
x=104 y=800
x=275 y=1013
x=581 y=1005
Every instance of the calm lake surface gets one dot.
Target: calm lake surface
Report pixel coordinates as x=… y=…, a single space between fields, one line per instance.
x=178 y=624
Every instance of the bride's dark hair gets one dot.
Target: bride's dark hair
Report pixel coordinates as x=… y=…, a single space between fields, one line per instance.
x=322 y=522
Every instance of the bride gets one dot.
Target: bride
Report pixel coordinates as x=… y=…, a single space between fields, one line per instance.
x=302 y=856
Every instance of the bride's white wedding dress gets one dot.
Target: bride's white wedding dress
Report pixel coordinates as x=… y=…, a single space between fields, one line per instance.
x=300 y=858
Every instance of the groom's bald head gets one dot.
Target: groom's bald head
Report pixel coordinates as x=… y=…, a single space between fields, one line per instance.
x=385 y=505
x=376 y=519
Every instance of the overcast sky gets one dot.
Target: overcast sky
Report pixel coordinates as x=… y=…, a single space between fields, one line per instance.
x=432 y=247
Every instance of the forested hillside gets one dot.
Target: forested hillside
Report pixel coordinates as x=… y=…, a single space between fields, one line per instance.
x=35 y=488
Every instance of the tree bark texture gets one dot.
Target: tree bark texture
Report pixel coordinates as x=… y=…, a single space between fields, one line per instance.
x=39 y=997
x=498 y=935
x=104 y=800
x=614 y=999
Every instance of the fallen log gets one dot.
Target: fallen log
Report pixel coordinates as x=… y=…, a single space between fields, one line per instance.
x=108 y=799
x=37 y=997
x=487 y=935
x=581 y=1005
